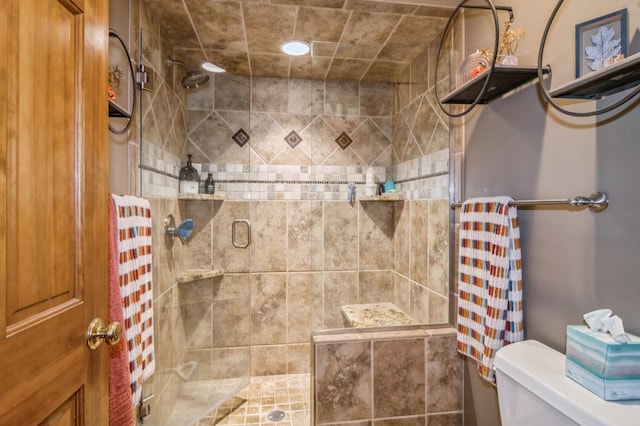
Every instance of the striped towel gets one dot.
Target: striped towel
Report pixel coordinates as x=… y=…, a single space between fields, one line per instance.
x=133 y=224
x=121 y=412
x=490 y=280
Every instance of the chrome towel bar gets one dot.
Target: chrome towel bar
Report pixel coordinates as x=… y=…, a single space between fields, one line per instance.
x=597 y=202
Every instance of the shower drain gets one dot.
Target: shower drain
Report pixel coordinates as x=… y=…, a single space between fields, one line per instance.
x=276 y=416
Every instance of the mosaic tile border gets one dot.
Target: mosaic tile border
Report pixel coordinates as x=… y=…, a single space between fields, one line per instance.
x=422 y=178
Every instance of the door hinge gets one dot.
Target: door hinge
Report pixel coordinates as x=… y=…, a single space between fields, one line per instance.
x=144 y=408
x=144 y=79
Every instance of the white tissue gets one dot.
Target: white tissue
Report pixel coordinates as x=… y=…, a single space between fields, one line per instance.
x=602 y=321
x=614 y=327
x=594 y=318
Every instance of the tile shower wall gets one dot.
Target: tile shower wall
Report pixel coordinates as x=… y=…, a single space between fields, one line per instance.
x=411 y=377
x=310 y=253
x=311 y=250
x=309 y=139
x=306 y=259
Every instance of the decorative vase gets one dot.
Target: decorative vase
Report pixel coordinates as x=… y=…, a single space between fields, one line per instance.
x=510 y=60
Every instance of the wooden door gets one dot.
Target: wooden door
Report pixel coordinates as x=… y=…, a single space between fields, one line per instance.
x=53 y=219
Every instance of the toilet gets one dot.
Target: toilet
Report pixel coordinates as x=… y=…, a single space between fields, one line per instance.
x=533 y=390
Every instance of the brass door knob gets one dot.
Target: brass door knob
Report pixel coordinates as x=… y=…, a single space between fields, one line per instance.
x=98 y=332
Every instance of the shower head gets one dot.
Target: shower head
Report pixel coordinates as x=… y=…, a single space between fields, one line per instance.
x=191 y=79
x=194 y=79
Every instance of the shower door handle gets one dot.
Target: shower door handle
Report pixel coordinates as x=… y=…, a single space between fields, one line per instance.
x=234 y=240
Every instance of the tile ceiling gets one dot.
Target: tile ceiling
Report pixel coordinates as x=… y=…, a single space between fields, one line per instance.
x=357 y=40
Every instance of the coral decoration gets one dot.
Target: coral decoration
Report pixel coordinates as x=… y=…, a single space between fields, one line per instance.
x=477 y=70
x=509 y=40
x=111 y=93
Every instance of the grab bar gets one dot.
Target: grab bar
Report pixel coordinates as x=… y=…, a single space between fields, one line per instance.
x=234 y=241
x=597 y=202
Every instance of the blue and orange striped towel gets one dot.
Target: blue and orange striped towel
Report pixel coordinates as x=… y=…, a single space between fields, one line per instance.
x=133 y=227
x=490 y=280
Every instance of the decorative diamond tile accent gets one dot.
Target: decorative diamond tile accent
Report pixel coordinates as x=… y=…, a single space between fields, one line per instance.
x=293 y=139
x=241 y=137
x=344 y=140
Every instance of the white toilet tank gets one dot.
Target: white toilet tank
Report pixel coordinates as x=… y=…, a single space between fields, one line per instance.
x=533 y=390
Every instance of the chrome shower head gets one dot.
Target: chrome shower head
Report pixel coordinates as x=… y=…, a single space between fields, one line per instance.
x=191 y=79
x=194 y=79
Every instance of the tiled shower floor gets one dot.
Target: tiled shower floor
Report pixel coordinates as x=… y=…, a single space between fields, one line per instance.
x=288 y=393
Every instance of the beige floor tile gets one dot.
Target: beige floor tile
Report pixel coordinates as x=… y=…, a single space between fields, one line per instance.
x=289 y=393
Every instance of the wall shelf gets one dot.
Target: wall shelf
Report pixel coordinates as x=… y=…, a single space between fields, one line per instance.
x=116 y=110
x=504 y=79
x=201 y=197
x=605 y=81
x=193 y=275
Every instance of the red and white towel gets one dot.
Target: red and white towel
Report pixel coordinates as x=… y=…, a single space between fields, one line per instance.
x=490 y=280
x=121 y=410
x=133 y=228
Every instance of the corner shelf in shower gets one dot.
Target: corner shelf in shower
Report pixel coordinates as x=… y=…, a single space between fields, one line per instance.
x=504 y=79
x=201 y=197
x=193 y=275
x=606 y=81
x=391 y=196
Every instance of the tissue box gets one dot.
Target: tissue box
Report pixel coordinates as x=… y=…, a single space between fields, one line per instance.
x=607 y=368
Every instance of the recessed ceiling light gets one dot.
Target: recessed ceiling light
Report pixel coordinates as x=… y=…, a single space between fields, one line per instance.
x=208 y=66
x=295 y=47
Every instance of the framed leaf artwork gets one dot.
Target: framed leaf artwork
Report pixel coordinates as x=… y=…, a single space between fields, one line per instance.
x=600 y=42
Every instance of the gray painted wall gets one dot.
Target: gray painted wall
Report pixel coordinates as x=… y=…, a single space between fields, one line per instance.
x=573 y=261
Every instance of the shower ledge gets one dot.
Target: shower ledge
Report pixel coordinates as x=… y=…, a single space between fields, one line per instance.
x=192 y=275
x=201 y=197
x=387 y=196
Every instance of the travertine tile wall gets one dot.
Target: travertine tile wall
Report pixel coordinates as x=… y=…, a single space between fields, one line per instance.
x=409 y=377
x=306 y=259
x=311 y=250
x=309 y=253
x=390 y=378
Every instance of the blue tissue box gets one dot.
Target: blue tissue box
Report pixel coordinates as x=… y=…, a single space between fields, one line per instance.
x=607 y=368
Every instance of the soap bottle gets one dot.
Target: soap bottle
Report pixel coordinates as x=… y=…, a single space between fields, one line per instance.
x=209 y=185
x=189 y=178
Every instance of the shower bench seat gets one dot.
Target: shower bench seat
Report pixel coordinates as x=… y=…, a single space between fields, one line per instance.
x=374 y=315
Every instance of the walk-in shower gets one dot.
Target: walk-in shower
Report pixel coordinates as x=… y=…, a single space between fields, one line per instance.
x=283 y=152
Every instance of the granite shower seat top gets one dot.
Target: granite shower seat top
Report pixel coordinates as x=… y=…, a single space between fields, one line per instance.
x=375 y=315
